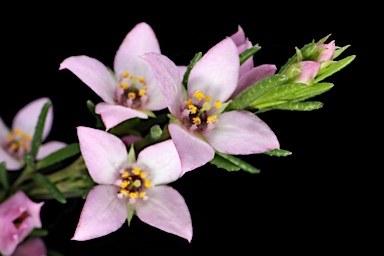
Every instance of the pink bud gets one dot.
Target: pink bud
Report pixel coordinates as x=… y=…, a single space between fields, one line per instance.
x=327 y=54
x=308 y=70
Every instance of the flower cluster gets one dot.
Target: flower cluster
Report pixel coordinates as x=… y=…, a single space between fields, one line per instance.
x=156 y=121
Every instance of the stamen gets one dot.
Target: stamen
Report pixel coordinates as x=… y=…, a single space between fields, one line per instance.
x=147 y=183
x=198 y=95
x=125 y=184
x=124 y=85
x=143 y=175
x=189 y=102
x=125 y=74
x=211 y=119
x=208 y=98
x=124 y=191
x=143 y=90
x=141 y=79
x=131 y=95
x=136 y=171
x=196 y=120
x=218 y=104
x=125 y=175
x=17 y=131
x=134 y=195
x=193 y=109
x=142 y=194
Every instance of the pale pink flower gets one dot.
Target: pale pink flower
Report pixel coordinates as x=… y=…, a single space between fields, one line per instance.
x=308 y=70
x=15 y=142
x=327 y=53
x=130 y=91
x=19 y=215
x=31 y=247
x=124 y=187
x=199 y=127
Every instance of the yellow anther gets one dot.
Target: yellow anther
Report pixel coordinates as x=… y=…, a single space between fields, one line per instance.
x=124 y=191
x=134 y=194
x=218 y=104
x=196 y=120
x=147 y=183
x=125 y=184
x=142 y=194
x=125 y=74
x=10 y=137
x=124 y=85
x=189 y=102
x=141 y=79
x=125 y=175
x=211 y=119
x=143 y=175
x=193 y=109
x=17 y=131
x=198 y=95
x=207 y=98
x=131 y=95
x=143 y=90
x=136 y=171
x=14 y=145
x=26 y=136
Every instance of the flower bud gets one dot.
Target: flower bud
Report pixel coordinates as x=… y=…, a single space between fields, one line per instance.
x=303 y=72
x=325 y=52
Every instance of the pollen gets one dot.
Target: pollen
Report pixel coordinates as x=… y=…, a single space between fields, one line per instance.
x=142 y=194
x=134 y=194
x=131 y=95
x=124 y=85
x=196 y=120
x=143 y=175
x=124 y=191
x=125 y=175
x=17 y=131
x=125 y=74
x=147 y=183
x=14 y=145
x=207 y=98
x=211 y=119
x=136 y=171
x=10 y=137
x=193 y=109
x=26 y=136
x=125 y=184
x=141 y=79
x=189 y=102
x=143 y=90
x=218 y=104
x=198 y=95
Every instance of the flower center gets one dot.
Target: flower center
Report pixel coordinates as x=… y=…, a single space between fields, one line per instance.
x=17 y=144
x=17 y=222
x=132 y=91
x=198 y=114
x=133 y=184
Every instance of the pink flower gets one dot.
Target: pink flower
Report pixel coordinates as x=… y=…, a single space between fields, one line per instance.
x=16 y=142
x=124 y=187
x=327 y=53
x=199 y=127
x=308 y=70
x=18 y=217
x=248 y=73
x=31 y=247
x=131 y=90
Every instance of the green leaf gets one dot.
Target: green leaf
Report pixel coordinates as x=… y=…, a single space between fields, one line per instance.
x=311 y=91
x=248 y=53
x=59 y=155
x=223 y=163
x=37 y=137
x=299 y=106
x=99 y=121
x=126 y=127
x=339 y=50
x=334 y=67
x=42 y=180
x=4 y=176
x=190 y=66
x=29 y=160
x=253 y=92
x=131 y=212
x=38 y=233
x=306 y=52
x=238 y=162
x=278 y=152
x=322 y=40
x=131 y=155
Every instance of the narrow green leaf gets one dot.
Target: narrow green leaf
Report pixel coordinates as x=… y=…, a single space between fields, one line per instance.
x=60 y=155
x=322 y=40
x=222 y=163
x=311 y=91
x=38 y=233
x=268 y=104
x=278 y=152
x=333 y=68
x=99 y=121
x=131 y=213
x=299 y=106
x=339 y=50
x=190 y=66
x=29 y=160
x=4 y=176
x=131 y=155
x=126 y=127
x=240 y=163
x=306 y=52
x=248 y=53
x=42 y=180
x=253 y=92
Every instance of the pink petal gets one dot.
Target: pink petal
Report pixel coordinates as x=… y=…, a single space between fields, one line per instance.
x=31 y=247
x=48 y=148
x=12 y=163
x=161 y=161
x=254 y=75
x=169 y=80
x=327 y=55
x=247 y=135
x=102 y=214
x=239 y=36
x=193 y=151
x=113 y=115
x=166 y=209
x=141 y=39
x=94 y=74
x=104 y=154
x=182 y=70
x=4 y=131
x=216 y=73
x=27 y=117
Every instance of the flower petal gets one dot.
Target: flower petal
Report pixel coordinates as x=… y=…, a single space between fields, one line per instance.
x=104 y=154
x=216 y=73
x=12 y=163
x=239 y=36
x=162 y=162
x=113 y=115
x=248 y=135
x=94 y=74
x=48 y=148
x=166 y=209
x=254 y=75
x=193 y=151
x=168 y=78
x=4 y=131
x=102 y=214
x=32 y=247
x=27 y=117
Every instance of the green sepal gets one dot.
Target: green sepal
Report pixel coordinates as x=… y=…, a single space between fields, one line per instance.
x=148 y=113
x=322 y=40
x=256 y=90
x=223 y=163
x=156 y=132
x=4 y=176
x=131 y=213
x=339 y=50
x=238 y=162
x=55 y=192
x=245 y=55
x=99 y=122
x=38 y=233
x=278 y=152
x=298 y=106
x=131 y=155
x=305 y=53
x=334 y=67
x=192 y=63
x=126 y=127
x=59 y=155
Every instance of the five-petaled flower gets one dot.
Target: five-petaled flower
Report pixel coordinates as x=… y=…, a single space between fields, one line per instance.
x=200 y=127
x=16 y=142
x=19 y=215
x=130 y=91
x=124 y=187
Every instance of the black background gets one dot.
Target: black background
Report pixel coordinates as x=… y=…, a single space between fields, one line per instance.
x=303 y=203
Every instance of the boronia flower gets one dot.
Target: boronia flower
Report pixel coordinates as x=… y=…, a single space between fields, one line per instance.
x=303 y=71
x=327 y=51
x=15 y=142
x=31 y=247
x=130 y=91
x=19 y=215
x=125 y=186
x=199 y=126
